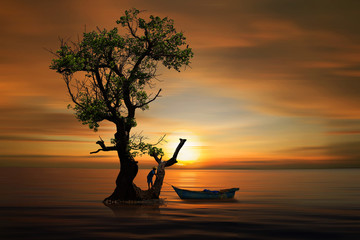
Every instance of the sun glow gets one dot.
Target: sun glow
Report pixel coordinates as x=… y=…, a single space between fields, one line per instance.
x=189 y=153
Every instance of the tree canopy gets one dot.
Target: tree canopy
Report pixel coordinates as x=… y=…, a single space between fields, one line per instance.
x=116 y=66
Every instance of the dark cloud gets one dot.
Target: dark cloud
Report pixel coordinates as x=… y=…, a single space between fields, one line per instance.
x=343 y=124
x=285 y=164
x=344 y=132
x=346 y=150
x=34 y=119
x=336 y=16
x=37 y=139
x=291 y=76
x=75 y=161
x=341 y=154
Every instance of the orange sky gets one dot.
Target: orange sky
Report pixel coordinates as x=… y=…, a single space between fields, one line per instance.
x=272 y=84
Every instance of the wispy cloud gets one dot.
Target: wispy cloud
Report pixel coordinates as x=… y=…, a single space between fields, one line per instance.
x=344 y=132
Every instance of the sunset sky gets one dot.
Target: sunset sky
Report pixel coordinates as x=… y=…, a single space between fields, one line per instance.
x=273 y=83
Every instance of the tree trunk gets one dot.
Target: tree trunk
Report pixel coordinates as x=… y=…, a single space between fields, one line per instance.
x=124 y=182
x=125 y=188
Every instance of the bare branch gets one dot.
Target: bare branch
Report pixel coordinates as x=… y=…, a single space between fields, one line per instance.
x=173 y=160
x=51 y=51
x=103 y=147
x=67 y=79
x=153 y=99
x=160 y=140
x=158 y=160
x=133 y=33
x=104 y=93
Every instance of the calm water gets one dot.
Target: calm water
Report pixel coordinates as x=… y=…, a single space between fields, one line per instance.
x=284 y=204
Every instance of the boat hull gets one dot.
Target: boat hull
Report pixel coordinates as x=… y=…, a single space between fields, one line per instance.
x=222 y=194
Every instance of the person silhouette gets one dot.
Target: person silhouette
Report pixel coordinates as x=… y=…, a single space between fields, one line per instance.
x=150 y=177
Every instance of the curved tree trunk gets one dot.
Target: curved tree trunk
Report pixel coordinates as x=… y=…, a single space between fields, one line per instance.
x=125 y=188
x=124 y=182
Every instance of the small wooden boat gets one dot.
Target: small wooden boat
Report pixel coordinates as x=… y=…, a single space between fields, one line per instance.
x=206 y=194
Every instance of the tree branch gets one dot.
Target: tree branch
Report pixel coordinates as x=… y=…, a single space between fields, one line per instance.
x=158 y=160
x=153 y=99
x=103 y=147
x=133 y=33
x=73 y=98
x=104 y=93
x=140 y=59
x=126 y=96
x=173 y=160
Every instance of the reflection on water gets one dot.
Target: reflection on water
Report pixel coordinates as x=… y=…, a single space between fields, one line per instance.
x=287 y=204
x=186 y=179
x=135 y=210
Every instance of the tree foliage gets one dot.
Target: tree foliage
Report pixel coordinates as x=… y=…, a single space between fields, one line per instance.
x=116 y=66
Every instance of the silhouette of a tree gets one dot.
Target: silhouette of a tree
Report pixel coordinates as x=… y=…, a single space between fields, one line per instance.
x=116 y=67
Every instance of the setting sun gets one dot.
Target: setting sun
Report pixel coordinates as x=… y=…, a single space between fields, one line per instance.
x=191 y=151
